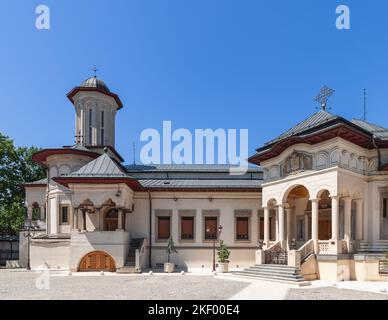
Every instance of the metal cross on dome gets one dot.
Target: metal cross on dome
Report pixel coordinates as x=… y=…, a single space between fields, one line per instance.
x=324 y=94
x=95 y=71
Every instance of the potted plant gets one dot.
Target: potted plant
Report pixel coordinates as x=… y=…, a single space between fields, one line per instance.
x=223 y=256
x=169 y=266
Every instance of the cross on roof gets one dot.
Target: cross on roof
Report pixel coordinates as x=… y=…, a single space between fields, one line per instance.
x=95 y=71
x=324 y=94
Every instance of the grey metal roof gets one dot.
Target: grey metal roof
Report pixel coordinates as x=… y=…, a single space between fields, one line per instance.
x=315 y=120
x=186 y=168
x=79 y=147
x=374 y=129
x=103 y=166
x=200 y=184
x=93 y=82
x=41 y=181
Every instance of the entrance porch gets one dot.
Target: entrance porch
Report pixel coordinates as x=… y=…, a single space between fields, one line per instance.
x=306 y=224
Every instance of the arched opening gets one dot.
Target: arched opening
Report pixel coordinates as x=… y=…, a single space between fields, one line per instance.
x=97 y=261
x=324 y=215
x=35 y=211
x=271 y=204
x=297 y=217
x=111 y=220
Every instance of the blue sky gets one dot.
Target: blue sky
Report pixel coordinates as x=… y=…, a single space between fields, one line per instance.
x=201 y=64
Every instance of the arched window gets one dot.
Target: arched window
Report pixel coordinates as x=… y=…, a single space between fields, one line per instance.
x=111 y=220
x=102 y=128
x=35 y=211
x=90 y=126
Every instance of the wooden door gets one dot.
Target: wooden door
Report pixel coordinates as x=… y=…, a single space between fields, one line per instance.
x=324 y=229
x=97 y=261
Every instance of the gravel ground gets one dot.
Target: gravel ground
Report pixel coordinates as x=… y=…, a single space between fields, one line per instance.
x=22 y=285
x=331 y=293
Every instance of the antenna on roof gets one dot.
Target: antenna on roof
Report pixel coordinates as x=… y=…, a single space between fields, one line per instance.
x=134 y=152
x=324 y=94
x=364 y=116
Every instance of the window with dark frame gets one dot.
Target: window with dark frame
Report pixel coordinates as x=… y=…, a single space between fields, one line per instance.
x=90 y=126
x=385 y=207
x=163 y=228
x=65 y=215
x=187 y=228
x=242 y=228
x=210 y=228
x=300 y=227
x=261 y=228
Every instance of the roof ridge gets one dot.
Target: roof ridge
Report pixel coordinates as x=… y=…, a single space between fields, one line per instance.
x=314 y=120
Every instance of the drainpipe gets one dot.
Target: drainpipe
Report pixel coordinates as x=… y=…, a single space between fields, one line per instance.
x=150 y=231
x=47 y=197
x=378 y=152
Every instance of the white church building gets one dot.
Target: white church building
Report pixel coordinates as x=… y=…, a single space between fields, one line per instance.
x=314 y=206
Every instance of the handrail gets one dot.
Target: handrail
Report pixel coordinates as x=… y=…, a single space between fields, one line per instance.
x=306 y=250
x=273 y=246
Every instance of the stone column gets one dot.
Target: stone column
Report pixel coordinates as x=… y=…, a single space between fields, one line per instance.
x=29 y=212
x=120 y=220
x=41 y=212
x=289 y=224
x=75 y=218
x=347 y=217
x=334 y=218
x=282 y=237
x=277 y=224
x=98 y=218
x=314 y=223
x=266 y=225
x=359 y=219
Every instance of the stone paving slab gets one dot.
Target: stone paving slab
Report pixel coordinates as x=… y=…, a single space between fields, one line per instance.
x=332 y=293
x=22 y=285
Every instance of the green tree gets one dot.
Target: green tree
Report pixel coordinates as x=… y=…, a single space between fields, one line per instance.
x=170 y=248
x=16 y=168
x=223 y=253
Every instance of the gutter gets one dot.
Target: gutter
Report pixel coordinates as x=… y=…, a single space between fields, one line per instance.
x=150 y=230
x=47 y=199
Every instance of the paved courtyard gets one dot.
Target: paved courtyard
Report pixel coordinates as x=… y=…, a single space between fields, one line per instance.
x=22 y=285
x=331 y=293
x=19 y=284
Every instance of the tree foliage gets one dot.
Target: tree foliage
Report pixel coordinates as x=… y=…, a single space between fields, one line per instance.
x=16 y=168
x=170 y=248
x=223 y=253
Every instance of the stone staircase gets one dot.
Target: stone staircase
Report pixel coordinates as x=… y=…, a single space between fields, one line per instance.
x=274 y=272
x=130 y=263
x=379 y=247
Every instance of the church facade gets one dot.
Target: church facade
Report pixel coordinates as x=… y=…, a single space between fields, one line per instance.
x=315 y=199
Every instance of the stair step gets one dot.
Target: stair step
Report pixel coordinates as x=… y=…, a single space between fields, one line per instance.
x=273 y=266
x=270 y=273
x=273 y=272
x=127 y=269
x=242 y=273
x=291 y=273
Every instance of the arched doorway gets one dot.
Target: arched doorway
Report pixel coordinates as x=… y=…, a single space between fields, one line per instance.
x=111 y=219
x=324 y=216
x=97 y=261
x=297 y=219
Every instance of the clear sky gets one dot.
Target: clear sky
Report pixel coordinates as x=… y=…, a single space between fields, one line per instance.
x=201 y=64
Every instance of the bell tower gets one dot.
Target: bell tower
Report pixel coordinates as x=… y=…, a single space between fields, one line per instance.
x=95 y=112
